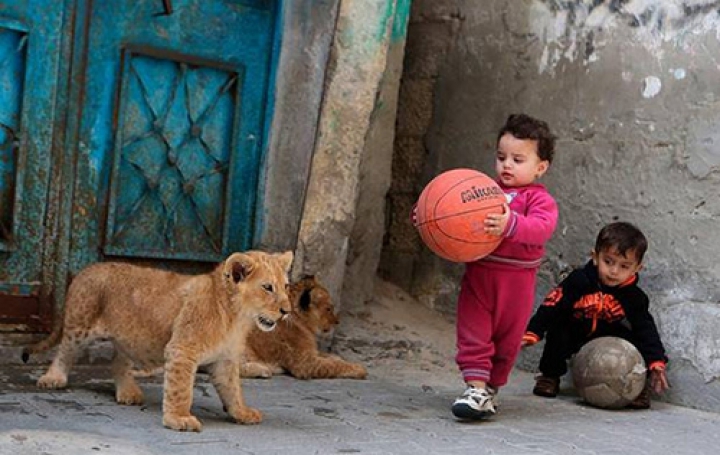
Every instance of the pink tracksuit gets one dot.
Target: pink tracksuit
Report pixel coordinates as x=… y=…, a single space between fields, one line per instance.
x=497 y=292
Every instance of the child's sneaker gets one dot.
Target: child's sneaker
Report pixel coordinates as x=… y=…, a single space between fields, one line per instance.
x=474 y=404
x=493 y=391
x=546 y=386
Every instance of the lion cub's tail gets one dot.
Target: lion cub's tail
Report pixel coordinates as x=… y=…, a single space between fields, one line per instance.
x=43 y=345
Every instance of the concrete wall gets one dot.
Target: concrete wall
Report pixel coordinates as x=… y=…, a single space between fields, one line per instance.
x=631 y=88
x=307 y=28
x=375 y=175
x=342 y=225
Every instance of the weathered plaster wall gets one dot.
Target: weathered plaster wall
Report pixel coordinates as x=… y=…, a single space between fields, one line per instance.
x=631 y=88
x=340 y=232
x=307 y=28
x=375 y=171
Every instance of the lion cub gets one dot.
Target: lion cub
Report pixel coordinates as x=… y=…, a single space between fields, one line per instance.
x=292 y=347
x=156 y=317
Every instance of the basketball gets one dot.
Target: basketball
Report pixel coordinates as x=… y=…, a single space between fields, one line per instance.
x=451 y=213
x=608 y=372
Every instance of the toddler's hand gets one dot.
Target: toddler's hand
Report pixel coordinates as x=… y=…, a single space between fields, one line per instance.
x=495 y=223
x=658 y=380
x=528 y=339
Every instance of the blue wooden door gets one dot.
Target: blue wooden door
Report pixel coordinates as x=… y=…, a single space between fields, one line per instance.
x=129 y=129
x=172 y=124
x=31 y=34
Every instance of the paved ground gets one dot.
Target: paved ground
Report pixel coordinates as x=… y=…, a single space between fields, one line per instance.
x=375 y=416
x=403 y=408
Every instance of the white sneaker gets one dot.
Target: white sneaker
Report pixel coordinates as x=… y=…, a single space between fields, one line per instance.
x=474 y=404
x=493 y=396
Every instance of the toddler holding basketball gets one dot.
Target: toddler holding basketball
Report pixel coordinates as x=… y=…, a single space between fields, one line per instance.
x=498 y=291
x=600 y=299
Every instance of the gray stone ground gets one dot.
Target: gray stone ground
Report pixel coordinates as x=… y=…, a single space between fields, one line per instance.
x=339 y=416
x=403 y=408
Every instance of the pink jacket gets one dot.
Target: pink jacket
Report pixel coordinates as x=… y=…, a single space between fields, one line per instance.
x=532 y=222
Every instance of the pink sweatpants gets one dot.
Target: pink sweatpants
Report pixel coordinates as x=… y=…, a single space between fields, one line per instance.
x=494 y=306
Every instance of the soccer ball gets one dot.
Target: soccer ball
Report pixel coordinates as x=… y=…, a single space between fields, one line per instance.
x=609 y=372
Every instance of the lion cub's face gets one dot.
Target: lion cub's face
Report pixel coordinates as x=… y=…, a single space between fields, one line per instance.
x=258 y=282
x=312 y=302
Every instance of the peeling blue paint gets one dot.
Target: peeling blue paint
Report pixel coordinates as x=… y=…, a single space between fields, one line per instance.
x=60 y=99
x=400 y=22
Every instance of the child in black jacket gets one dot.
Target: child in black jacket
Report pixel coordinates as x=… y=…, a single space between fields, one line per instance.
x=600 y=299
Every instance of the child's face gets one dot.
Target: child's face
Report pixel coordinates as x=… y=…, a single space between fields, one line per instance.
x=517 y=162
x=613 y=268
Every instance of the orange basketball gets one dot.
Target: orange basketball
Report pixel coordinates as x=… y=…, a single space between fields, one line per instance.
x=451 y=213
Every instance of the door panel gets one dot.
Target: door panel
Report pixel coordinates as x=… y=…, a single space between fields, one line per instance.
x=172 y=157
x=171 y=132
x=30 y=50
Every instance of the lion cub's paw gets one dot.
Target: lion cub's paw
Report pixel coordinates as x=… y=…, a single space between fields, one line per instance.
x=129 y=397
x=357 y=371
x=248 y=416
x=52 y=381
x=182 y=423
x=255 y=370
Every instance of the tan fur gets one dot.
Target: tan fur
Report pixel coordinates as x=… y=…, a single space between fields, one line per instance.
x=156 y=317
x=292 y=346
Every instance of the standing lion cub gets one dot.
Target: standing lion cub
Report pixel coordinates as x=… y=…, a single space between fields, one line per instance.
x=156 y=317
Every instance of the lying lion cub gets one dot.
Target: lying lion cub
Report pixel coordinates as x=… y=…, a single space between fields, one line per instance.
x=156 y=317
x=292 y=346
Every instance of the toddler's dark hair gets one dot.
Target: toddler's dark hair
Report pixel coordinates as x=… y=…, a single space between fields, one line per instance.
x=623 y=236
x=522 y=126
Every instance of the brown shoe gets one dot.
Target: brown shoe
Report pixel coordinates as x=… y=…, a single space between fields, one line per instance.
x=642 y=401
x=546 y=386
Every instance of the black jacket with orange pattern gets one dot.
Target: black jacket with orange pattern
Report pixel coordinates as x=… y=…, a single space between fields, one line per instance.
x=581 y=299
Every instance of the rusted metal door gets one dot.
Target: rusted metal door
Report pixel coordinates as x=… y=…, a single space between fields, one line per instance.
x=167 y=105
x=31 y=34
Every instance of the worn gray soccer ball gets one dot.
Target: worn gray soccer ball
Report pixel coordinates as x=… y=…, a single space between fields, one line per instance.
x=609 y=372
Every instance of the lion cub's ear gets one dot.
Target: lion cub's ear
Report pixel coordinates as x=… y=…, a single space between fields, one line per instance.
x=305 y=300
x=238 y=266
x=286 y=260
